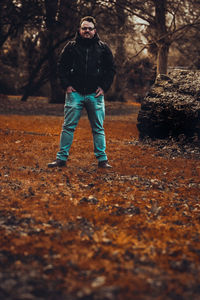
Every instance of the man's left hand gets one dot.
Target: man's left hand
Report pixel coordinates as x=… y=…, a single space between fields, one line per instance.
x=99 y=92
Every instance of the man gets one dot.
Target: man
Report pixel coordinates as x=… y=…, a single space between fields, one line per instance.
x=86 y=70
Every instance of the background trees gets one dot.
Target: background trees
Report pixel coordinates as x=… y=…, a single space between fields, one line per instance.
x=144 y=36
x=162 y=23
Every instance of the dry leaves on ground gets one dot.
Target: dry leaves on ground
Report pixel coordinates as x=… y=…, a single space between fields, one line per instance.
x=79 y=232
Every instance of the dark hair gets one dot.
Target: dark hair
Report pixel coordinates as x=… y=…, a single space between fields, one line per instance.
x=88 y=19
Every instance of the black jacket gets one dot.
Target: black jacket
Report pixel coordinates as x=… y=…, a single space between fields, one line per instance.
x=86 y=64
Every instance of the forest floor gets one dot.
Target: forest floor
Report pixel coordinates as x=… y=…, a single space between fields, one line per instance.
x=83 y=233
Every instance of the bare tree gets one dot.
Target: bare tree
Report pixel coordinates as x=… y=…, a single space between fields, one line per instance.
x=162 y=41
x=14 y=17
x=164 y=22
x=56 y=30
x=52 y=23
x=171 y=24
x=51 y=7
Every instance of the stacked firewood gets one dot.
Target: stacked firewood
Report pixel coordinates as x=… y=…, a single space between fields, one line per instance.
x=172 y=106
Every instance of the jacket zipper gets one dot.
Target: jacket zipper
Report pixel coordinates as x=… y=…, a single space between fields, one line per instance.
x=86 y=66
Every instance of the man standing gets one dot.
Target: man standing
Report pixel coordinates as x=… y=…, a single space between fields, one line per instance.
x=86 y=70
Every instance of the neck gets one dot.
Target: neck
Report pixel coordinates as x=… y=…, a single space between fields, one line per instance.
x=85 y=41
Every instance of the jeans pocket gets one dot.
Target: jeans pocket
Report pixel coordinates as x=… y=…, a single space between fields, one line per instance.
x=68 y=100
x=69 y=97
x=100 y=102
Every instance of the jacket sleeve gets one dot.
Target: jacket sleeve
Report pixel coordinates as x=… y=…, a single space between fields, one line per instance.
x=65 y=62
x=109 y=69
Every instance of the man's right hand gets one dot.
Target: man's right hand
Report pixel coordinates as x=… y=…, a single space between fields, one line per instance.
x=70 y=89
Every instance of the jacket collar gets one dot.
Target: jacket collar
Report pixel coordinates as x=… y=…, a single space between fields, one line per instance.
x=86 y=42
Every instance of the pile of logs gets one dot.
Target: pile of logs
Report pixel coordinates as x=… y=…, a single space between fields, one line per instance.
x=172 y=106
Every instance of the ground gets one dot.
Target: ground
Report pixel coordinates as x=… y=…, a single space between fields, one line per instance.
x=79 y=232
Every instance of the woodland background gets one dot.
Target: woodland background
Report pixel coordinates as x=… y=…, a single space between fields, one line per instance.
x=81 y=233
x=146 y=37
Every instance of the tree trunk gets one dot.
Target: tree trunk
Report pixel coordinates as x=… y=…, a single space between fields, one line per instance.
x=118 y=86
x=56 y=93
x=57 y=96
x=162 y=58
x=118 y=83
x=162 y=37
x=31 y=85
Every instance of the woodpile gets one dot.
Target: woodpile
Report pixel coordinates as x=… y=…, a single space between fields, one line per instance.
x=172 y=107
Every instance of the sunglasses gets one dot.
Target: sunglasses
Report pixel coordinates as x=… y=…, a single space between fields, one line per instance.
x=88 y=28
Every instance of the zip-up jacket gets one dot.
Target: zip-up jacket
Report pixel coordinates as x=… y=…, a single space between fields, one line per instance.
x=86 y=64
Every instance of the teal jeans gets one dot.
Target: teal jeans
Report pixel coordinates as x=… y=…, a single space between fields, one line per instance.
x=95 y=107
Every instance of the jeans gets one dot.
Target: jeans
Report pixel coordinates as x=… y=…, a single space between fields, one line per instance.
x=95 y=107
